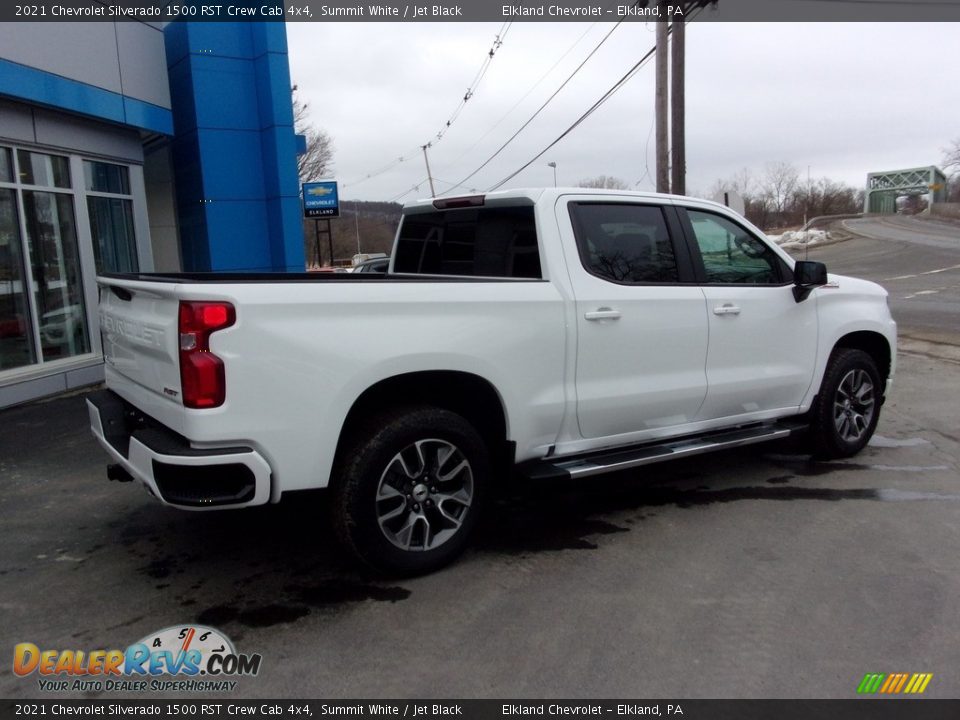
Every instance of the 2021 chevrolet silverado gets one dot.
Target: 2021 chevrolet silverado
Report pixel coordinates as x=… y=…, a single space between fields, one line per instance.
x=561 y=332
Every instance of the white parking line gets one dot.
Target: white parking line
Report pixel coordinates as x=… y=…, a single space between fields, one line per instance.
x=928 y=272
x=922 y=292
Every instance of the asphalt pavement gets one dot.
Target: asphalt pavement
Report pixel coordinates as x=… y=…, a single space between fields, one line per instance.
x=752 y=573
x=917 y=260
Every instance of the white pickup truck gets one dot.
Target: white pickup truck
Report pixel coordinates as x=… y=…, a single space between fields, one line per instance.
x=554 y=332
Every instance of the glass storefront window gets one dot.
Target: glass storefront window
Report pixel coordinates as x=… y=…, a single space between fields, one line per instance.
x=111 y=217
x=106 y=177
x=6 y=165
x=42 y=169
x=111 y=224
x=43 y=306
x=16 y=332
x=55 y=268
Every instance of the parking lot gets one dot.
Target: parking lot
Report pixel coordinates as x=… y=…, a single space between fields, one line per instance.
x=753 y=573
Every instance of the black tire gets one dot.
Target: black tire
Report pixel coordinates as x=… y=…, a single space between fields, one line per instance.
x=847 y=408
x=393 y=466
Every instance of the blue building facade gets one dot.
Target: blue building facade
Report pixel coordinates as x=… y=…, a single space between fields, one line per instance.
x=130 y=147
x=234 y=148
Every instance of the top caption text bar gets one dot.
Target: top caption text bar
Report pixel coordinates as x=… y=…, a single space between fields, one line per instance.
x=164 y=11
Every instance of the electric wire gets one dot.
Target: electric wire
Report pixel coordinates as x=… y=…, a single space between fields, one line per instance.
x=593 y=108
x=524 y=97
x=478 y=78
x=606 y=96
x=543 y=106
x=471 y=89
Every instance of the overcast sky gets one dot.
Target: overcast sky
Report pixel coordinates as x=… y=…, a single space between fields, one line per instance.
x=843 y=99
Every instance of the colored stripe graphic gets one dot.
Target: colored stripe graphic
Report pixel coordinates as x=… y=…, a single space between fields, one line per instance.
x=918 y=683
x=870 y=683
x=894 y=683
x=903 y=679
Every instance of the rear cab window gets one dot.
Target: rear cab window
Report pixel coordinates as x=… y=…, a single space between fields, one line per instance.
x=489 y=242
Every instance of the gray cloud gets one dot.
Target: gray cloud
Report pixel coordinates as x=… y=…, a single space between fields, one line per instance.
x=845 y=99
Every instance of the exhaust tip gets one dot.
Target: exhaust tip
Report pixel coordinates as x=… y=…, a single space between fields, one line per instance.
x=119 y=473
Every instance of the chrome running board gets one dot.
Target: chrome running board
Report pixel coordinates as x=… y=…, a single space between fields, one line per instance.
x=616 y=459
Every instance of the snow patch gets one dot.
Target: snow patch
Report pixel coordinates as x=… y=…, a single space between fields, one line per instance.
x=798 y=238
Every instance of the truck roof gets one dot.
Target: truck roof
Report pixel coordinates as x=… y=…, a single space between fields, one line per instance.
x=532 y=195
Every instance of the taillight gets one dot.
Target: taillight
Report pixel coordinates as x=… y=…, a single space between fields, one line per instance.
x=202 y=380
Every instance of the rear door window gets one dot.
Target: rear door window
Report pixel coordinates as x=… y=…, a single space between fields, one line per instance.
x=476 y=242
x=625 y=243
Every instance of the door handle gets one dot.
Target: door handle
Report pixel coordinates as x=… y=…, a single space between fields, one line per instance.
x=604 y=313
x=726 y=309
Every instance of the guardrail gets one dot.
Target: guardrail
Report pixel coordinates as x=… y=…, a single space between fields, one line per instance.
x=821 y=218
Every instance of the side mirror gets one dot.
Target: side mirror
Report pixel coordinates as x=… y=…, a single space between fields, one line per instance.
x=807 y=275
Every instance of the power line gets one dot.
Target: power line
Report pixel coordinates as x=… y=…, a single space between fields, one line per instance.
x=525 y=95
x=478 y=78
x=544 y=105
x=603 y=98
x=606 y=96
x=497 y=42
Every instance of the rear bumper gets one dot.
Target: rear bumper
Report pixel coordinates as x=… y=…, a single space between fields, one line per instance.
x=173 y=471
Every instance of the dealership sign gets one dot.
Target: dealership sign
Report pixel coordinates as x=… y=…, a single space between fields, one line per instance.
x=321 y=199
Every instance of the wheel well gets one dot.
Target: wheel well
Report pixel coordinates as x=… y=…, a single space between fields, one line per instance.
x=470 y=396
x=872 y=343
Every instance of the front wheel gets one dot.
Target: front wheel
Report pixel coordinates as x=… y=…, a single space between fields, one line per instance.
x=847 y=408
x=409 y=489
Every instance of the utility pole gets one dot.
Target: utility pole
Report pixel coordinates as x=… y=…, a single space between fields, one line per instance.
x=356 y=225
x=660 y=104
x=433 y=193
x=678 y=108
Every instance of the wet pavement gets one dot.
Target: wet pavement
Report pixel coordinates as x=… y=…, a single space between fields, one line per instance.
x=752 y=573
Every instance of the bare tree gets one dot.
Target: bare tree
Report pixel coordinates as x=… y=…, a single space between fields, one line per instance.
x=605 y=182
x=780 y=180
x=951 y=157
x=317 y=161
x=951 y=164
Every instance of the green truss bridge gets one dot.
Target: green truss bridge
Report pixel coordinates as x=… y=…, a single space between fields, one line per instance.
x=883 y=188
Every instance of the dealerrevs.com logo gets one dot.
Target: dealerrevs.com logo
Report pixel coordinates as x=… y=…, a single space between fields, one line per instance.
x=195 y=659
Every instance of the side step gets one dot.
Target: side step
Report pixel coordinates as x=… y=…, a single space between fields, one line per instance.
x=625 y=458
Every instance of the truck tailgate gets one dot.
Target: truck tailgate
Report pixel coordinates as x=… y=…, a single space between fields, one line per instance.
x=138 y=322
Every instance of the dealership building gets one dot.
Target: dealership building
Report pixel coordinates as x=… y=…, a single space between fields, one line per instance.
x=125 y=147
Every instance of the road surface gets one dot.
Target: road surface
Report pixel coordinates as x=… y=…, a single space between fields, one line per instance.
x=917 y=260
x=753 y=573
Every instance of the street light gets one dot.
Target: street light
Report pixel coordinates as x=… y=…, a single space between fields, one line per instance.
x=554 y=166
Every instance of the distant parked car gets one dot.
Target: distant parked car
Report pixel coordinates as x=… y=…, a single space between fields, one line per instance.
x=63 y=325
x=377 y=265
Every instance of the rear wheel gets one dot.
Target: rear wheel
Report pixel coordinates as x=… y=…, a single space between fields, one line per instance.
x=848 y=406
x=409 y=489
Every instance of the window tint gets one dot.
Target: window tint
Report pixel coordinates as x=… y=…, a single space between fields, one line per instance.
x=624 y=243
x=730 y=254
x=480 y=242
